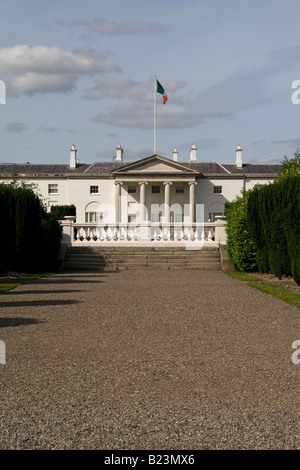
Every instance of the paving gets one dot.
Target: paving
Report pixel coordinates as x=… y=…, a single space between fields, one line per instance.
x=147 y=359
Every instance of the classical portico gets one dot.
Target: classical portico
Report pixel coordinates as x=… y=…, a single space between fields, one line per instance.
x=163 y=190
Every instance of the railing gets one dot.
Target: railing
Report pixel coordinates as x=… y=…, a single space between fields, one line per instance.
x=205 y=232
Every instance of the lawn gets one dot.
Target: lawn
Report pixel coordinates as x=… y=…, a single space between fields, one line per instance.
x=280 y=292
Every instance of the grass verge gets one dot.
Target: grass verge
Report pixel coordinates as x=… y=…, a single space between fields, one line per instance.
x=277 y=291
x=239 y=275
x=267 y=288
x=6 y=286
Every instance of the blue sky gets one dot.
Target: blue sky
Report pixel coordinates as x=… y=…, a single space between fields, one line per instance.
x=83 y=73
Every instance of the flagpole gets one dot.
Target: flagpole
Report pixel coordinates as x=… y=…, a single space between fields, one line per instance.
x=154 y=115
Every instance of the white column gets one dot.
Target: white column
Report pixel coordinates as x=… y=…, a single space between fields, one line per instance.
x=143 y=200
x=167 y=201
x=192 y=201
x=118 y=200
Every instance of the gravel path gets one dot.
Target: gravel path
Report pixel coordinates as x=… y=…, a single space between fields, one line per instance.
x=147 y=360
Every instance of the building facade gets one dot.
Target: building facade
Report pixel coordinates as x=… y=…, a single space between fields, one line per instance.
x=154 y=198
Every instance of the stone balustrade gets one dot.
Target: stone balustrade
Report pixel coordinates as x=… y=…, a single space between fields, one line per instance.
x=147 y=232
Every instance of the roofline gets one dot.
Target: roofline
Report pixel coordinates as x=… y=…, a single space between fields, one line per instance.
x=111 y=175
x=169 y=161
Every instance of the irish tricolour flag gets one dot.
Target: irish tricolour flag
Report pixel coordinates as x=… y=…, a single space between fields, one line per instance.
x=160 y=89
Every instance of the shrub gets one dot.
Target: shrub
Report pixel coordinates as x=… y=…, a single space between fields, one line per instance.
x=241 y=247
x=29 y=236
x=59 y=212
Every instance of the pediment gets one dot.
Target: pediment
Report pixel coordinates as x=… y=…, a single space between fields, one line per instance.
x=155 y=165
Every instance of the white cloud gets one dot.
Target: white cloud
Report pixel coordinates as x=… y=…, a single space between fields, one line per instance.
x=119 y=87
x=46 y=69
x=135 y=102
x=124 y=86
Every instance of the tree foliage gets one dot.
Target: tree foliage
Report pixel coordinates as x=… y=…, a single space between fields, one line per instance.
x=291 y=166
x=59 y=212
x=274 y=218
x=264 y=218
x=29 y=236
x=241 y=247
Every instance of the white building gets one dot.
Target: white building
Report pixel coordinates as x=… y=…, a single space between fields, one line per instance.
x=153 y=193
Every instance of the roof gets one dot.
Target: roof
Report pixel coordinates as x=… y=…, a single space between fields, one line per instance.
x=27 y=169
x=215 y=168
x=105 y=169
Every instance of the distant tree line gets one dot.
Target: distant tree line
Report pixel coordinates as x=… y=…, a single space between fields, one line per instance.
x=264 y=218
x=29 y=236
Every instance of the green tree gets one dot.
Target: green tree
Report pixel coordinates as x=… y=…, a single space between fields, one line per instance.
x=241 y=247
x=291 y=166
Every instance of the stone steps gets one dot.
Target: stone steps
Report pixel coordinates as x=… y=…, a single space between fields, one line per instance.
x=120 y=258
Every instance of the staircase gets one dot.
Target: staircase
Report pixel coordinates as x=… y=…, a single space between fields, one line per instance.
x=119 y=258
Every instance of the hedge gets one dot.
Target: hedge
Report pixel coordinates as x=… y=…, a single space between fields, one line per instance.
x=273 y=218
x=29 y=236
x=59 y=212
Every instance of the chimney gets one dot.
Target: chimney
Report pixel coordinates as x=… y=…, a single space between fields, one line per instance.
x=175 y=155
x=238 y=162
x=193 y=153
x=73 y=160
x=119 y=154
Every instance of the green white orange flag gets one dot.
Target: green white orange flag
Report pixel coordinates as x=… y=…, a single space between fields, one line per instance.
x=160 y=89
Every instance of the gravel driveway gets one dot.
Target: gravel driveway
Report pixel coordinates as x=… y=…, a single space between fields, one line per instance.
x=147 y=360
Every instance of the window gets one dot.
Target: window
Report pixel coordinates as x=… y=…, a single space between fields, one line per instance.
x=52 y=188
x=179 y=190
x=131 y=189
x=218 y=189
x=93 y=217
x=94 y=189
x=155 y=189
